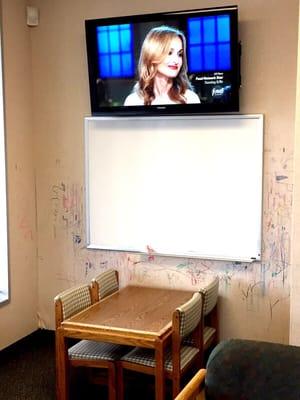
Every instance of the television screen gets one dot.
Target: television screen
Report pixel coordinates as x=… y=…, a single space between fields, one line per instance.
x=175 y=62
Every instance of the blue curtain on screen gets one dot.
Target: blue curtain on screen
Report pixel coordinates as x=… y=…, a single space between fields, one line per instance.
x=209 y=43
x=115 y=53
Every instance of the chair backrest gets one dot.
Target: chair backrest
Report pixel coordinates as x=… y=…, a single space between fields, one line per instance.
x=71 y=301
x=190 y=315
x=187 y=319
x=105 y=284
x=210 y=295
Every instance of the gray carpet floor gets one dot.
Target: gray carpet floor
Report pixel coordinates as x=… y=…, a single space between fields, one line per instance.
x=27 y=368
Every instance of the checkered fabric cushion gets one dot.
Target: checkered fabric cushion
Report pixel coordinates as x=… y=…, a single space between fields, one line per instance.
x=210 y=295
x=190 y=314
x=147 y=357
x=91 y=350
x=107 y=282
x=208 y=332
x=74 y=300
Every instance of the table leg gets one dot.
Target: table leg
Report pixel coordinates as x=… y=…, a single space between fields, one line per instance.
x=159 y=370
x=61 y=366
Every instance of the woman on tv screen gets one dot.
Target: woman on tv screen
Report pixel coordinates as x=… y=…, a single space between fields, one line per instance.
x=162 y=70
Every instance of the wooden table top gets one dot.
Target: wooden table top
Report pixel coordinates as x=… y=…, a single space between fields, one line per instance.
x=132 y=309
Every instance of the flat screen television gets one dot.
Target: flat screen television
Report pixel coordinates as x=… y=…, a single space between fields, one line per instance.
x=168 y=63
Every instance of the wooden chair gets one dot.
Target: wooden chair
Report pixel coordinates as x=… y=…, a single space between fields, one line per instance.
x=194 y=388
x=104 y=284
x=179 y=358
x=210 y=312
x=87 y=353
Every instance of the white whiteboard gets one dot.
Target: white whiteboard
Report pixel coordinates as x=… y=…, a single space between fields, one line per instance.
x=183 y=186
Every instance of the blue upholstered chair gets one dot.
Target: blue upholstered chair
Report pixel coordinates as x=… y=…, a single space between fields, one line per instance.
x=104 y=284
x=248 y=370
x=87 y=353
x=187 y=319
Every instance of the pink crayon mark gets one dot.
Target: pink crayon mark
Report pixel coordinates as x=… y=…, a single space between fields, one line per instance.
x=68 y=202
x=25 y=229
x=150 y=253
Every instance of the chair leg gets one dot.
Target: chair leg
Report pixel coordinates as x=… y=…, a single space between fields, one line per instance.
x=112 y=395
x=120 y=382
x=201 y=395
x=175 y=386
x=200 y=361
x=62 y=366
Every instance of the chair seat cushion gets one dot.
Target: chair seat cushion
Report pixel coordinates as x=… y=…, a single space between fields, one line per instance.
x=208 y=333
x=147 y=357
x=92 y=350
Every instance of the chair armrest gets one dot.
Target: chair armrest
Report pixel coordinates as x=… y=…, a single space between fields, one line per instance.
x=193 y=387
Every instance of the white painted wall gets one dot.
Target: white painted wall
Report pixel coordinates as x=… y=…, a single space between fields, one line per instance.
x=4 y=287
x=295 y=264
x=254 y=298
x=18 y=318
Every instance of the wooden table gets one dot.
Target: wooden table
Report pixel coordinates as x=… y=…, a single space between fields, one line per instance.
x=136 y=316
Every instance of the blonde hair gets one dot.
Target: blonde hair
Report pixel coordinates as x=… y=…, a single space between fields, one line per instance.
x=155 y=48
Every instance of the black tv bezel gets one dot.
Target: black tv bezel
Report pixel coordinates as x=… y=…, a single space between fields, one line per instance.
x=178 y=109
